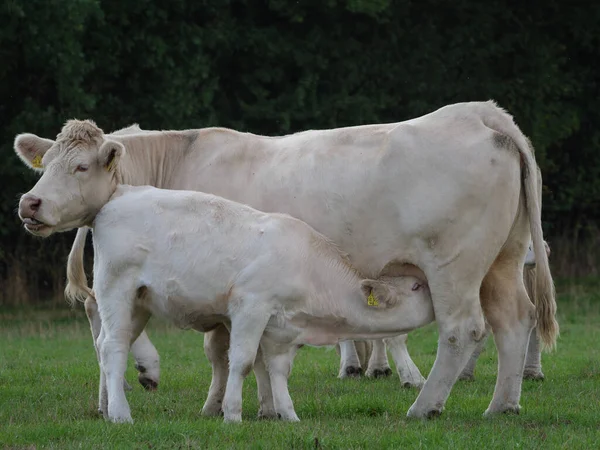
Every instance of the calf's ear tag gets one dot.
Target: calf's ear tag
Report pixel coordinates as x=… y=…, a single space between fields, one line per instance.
x=36 y=162
x=110 y=166
x=371 y=300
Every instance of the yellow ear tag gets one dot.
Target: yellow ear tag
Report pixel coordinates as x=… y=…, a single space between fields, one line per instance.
x=36 y=162
x=110 y=166
x=371 y=300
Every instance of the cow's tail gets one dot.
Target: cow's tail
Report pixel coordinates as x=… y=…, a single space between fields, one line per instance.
x=77 y=288
x=545 y=298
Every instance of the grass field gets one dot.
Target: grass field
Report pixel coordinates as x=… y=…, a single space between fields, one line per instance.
x=49 y=376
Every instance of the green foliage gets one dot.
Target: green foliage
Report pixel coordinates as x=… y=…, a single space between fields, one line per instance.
x=277 y=67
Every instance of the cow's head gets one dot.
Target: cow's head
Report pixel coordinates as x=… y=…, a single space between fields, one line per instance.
x=530 y=257
x=385 y=292
x=79 y=174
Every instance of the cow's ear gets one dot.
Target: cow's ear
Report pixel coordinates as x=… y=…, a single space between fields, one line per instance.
x=110 y=153
x=31 y=149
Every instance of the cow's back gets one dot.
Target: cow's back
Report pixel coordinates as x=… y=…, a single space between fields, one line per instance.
x=378 y=191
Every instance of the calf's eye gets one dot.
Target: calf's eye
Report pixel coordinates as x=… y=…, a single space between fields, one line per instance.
x=81 y=168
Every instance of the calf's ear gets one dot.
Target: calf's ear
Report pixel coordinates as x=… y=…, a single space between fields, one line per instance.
x=109 y=155
x=366 y=286
x=31 y=149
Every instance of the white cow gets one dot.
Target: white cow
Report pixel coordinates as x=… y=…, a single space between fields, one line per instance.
x=200 y=260
x=452 y=193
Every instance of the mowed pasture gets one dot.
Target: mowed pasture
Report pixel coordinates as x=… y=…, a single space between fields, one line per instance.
x=49 y=379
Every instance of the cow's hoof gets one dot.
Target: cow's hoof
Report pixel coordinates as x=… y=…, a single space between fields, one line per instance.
x=536 y=376
x=351 y=372
x=434 y=413
x=148 y=383
x=379 y=373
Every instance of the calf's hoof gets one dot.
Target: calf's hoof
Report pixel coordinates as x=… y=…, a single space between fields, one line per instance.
x=427 y=414
x=413 y=385
x=379 y=373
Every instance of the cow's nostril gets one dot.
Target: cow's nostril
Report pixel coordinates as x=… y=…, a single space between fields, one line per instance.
x=35 y=203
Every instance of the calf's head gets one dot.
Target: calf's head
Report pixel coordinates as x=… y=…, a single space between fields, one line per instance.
x=79 y=174
x=387 y=292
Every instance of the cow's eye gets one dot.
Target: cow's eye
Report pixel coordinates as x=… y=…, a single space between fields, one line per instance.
x=81 y=168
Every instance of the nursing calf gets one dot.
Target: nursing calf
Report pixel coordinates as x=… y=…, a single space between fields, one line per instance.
x=200 y=260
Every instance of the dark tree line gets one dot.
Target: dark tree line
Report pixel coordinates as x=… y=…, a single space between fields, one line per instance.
x=279 y=66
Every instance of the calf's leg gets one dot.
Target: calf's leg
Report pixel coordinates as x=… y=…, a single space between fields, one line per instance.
x=216 y=348
x=247 y=326
x=279 y=360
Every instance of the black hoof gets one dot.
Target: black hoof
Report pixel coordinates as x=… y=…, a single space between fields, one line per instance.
x=382 y=373
x=512 y=411
x=147 y=383
x=352 y=371
x=467 y=377
x=534 y=376
x=434 y=413
x=140 y=369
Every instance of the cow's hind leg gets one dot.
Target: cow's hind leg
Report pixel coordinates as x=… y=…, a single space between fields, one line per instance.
x=378 y=362
x=461 y=326
x=410 y=376
x=512 y=317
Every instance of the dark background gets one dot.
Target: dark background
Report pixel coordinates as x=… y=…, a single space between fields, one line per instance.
x=276 y=67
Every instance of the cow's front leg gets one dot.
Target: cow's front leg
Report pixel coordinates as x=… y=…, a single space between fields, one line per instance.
x=247 y=326
x=461 y=327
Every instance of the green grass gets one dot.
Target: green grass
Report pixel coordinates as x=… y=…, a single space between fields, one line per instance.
x=49 y=376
